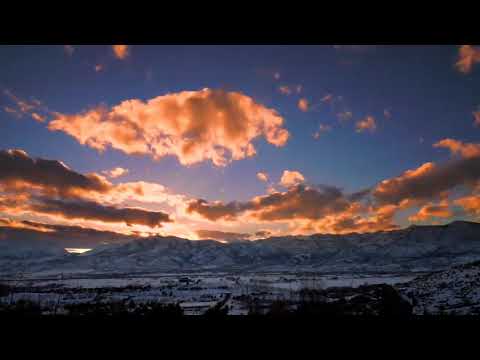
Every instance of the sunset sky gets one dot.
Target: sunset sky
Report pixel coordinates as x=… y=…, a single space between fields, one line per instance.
x=229 y=142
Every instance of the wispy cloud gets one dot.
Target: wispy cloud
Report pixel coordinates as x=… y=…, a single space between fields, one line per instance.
x=115 y=172
x=468 y=56
x=323 y=128
x=33 y=108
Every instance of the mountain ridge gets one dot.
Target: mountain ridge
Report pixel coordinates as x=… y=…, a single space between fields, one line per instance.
x=419 y=248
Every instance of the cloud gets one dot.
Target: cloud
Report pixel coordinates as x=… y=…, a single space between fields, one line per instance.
x=465 y=150
x=291 y=178
x=32 y=108
x=98 y=67
x=298 y=202
x=121 y=51
x=344 y=116
x=47 y=190
x=468 y=56
x=322 y=129
x=387 y=114
x=89 y=210
x=430 y=211
x=303 y=104
x=285 y=90
x=305 y=209
x=367 y=124
x=61 y=235
x=115 y=172
x=429 y=181
x=221 y=235
x=194 y=126
x=328 y=209
x=263 y=234
x=69 y=49
x=476 y=116
x=470 y=204
x=217 y=210
x=327 y=99
x=38 y=117
x=323 y=209
x=17 y=168
x=262 y=176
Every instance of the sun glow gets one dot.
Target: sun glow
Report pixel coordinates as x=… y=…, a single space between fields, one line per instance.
x=76 y=250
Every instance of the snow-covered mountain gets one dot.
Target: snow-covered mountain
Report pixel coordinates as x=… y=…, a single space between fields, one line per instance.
x=417 y=248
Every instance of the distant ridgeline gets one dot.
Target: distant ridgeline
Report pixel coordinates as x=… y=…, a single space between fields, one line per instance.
x=417 y=248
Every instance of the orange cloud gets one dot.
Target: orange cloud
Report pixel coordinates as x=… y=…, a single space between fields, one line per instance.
x=299 y=202
x=431 y=181
x=38 y=117
x=471 y=204
x=291 y=178
x=121 y=51
x=194 y=126
x=476 y=116
x=305 y=210
x=430 y=211
x=468 y=56
x=303 y=104
x=327 y=99
x=466 y=150
x=262 y=176
x=285 y=90
x=25 y=107
x=115 y=173
x=367 y=124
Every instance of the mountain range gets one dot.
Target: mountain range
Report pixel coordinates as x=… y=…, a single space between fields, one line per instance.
x=417 y=248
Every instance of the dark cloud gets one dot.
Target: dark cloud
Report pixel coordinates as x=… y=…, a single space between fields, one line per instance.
x=429 y=181
x=62 y=236
x=221 y=235
x=299 y=202
x=17 y=167
x=263 y=234
x=90 y=210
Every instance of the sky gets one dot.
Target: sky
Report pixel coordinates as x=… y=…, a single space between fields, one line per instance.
x=238 y=142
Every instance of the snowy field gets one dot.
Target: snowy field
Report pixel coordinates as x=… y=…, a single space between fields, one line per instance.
x=194 y=292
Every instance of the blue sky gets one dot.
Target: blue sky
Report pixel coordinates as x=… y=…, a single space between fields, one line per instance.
x=428 y=98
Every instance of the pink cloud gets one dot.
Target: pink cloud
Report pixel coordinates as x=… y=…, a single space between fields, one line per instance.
x=367 y=124
x=194 y=126
x=291 y=178
x=121 y=52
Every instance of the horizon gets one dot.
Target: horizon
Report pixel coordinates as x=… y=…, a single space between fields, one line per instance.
x=237 y=142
